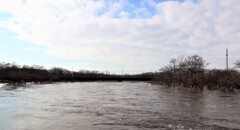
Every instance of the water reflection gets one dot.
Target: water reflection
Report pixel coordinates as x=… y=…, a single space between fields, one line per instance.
x=122 y=105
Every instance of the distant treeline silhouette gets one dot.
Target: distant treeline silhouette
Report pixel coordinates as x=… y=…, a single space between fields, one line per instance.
x=191 y=72
x=15 y=74
x=181 y=71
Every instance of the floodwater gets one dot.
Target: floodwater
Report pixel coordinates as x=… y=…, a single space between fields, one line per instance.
x=116 y=105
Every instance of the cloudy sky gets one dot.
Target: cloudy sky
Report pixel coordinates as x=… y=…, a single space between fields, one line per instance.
x=108 y=35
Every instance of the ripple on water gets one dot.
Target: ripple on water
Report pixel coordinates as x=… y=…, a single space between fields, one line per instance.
x=120 y=105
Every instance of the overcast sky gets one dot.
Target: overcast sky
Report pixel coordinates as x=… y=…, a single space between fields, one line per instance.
x=108 y=35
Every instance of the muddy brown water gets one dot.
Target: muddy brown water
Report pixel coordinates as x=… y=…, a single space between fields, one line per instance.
x=116 y=105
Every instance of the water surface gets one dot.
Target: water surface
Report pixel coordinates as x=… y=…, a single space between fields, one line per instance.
x=116 y=105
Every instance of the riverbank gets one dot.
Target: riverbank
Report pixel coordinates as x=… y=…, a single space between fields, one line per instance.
x=15 y=74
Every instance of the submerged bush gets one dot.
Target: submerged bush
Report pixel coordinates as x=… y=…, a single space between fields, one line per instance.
x=190 y=72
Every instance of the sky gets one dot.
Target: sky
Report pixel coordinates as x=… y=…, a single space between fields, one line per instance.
x=108 y=35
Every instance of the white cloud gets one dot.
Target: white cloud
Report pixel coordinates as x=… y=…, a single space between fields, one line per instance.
x=103 y=31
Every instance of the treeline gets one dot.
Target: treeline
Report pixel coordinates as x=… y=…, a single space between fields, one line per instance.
x=191 y=72
x=16 y=74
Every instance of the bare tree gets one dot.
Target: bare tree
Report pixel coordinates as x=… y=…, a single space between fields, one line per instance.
x=177 y=64
x=237 y=64
x=195 y=63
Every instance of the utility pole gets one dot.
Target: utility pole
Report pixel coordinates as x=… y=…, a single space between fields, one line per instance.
x=227 y=59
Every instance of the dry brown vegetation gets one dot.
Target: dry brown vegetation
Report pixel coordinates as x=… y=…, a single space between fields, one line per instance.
x=190 y=72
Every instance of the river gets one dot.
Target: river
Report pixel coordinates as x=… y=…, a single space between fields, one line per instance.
x=116 y=105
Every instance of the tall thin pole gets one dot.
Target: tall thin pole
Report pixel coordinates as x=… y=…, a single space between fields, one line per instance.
x=226 y=58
